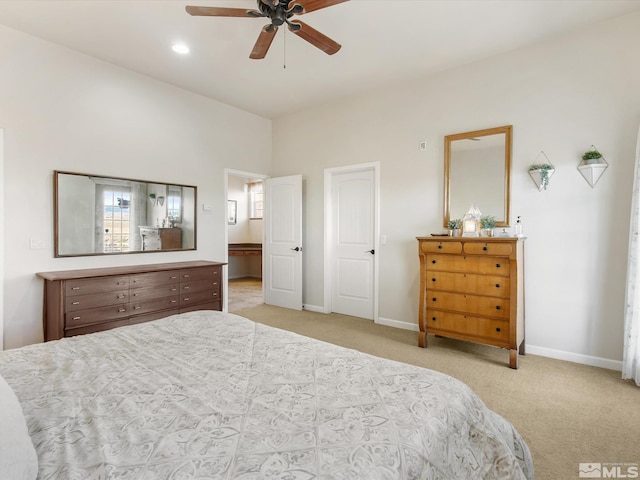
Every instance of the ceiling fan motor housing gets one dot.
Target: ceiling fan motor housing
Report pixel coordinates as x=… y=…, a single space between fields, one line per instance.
x=279 y=11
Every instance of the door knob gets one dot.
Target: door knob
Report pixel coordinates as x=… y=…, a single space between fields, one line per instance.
x=297 y=249
x=372 y=251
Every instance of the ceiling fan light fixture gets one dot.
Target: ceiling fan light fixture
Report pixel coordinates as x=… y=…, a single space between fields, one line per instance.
x=180 y=48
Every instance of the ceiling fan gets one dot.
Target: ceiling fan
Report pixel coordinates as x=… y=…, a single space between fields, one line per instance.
x=279 y=12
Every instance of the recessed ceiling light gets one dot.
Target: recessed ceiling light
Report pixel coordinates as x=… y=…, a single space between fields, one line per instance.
x=180 y=48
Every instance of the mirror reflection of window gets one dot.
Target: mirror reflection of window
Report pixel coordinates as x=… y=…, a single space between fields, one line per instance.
x=174 y=204
x=116 y=220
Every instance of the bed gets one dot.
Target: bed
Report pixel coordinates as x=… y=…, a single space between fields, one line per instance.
x=212 y=395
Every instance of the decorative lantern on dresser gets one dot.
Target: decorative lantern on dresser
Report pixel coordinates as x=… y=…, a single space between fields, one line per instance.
x=472 y=288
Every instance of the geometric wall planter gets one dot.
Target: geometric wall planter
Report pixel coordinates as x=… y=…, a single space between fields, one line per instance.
x=592 y=168
x=541 y=171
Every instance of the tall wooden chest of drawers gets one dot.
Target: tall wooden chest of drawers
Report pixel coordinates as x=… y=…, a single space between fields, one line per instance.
x=87 y=301
x=472 y=288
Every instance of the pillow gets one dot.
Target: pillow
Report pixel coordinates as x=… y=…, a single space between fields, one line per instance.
x=18 y=459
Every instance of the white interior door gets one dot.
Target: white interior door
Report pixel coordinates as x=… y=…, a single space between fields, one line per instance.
x=353 y=235
x=282 y=249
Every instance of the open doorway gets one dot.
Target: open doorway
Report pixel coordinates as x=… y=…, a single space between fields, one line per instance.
x=244 y=240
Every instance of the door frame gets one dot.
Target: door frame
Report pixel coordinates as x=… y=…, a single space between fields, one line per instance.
x=328 y=230
x=225 y=271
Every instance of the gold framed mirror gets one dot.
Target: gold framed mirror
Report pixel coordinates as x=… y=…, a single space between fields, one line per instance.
x=477 y=171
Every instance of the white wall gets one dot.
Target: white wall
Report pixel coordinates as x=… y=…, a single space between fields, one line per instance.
x=560 y=96
x=64 y=110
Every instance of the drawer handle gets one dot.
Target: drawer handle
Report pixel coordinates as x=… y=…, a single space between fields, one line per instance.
x=136 y=294
x=215 y=294
x=440 y=247
x=433 y=261
x=187 y=287
x=498 y=307
x=174 y=289
x=433 y=279
x=498 y=329
x=172 y=301
x=137 y=307
x=497 y=285
x=433 y=318
x=75 y=288
x=434 y=299
x=75 y=303
x=498 y=265
x=173 y=278
x=121 y=310
x=120 y=283
x=120 y=296
x=186 y=299
x=76 y=318
x=485 y=248
x=186 y=276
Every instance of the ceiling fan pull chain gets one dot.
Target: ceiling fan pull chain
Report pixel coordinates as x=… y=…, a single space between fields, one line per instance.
x=284 y=59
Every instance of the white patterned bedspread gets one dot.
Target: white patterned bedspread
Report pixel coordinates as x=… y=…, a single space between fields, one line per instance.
x=209 y=395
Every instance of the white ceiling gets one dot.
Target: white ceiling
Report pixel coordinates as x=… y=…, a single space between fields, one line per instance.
x=382 y=41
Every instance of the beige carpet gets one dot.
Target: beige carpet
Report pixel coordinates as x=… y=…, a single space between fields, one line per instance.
x=244 y=293
x=568 y=413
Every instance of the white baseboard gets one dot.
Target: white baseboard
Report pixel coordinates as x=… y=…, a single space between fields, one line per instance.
x=532 y=349
x=575 y=357
x=398 y=324
x=313 y=308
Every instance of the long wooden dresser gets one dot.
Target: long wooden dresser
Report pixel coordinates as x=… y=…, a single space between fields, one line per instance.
x=472 y=288
x=86 y=301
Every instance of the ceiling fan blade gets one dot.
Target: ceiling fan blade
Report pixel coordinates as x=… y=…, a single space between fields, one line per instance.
x=221 y=12
x=315 y=38
x=312 y=5
x=263 y=43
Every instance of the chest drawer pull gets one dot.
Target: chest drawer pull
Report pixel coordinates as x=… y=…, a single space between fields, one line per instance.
x=136 y=294
x=137 y=307
x=485 y=248
x=498 y=265
x=433 y=279
x=433 y=318
x=186 y=276
x=186 y=299
x=173 y=277
x=433 y=261
x=121 y=310
x=497 y=285
x=172 y=301
x=440 y=247
x=174 y=289
x=498 y=329
x=75 y=288
x=76 y=318
x=120 y=296
x=498 y=307
x=75 y=303
x=187 y=287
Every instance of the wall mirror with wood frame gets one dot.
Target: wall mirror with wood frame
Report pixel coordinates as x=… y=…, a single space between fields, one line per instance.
x=477 y=171
x=98 y=215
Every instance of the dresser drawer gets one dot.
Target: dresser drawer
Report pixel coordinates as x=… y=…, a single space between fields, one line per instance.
x=140 y=294
x=199 y=297
x=96 y=285
x=154 y=278
x=84 y=302
x=488 y=248
x=486 y=328
x=494 y=329
x=491 y=285
x=145 y=306
x=95 y=315
x=196 y=274
x=199 y=286
x=471 y=304
x=470 y=264
x=441 y=247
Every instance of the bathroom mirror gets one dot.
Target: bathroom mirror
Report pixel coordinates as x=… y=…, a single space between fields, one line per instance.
x=98 y=215
x=477 y=167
